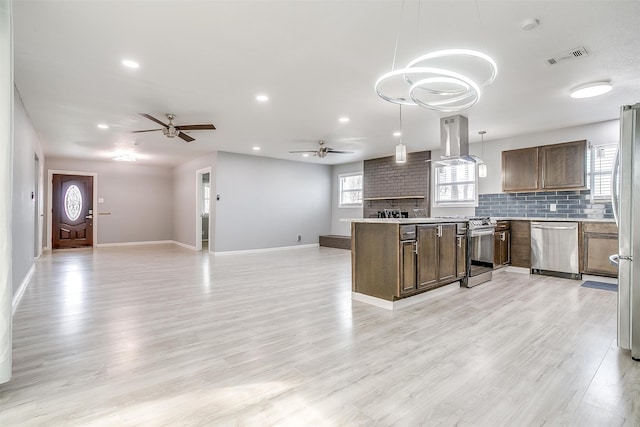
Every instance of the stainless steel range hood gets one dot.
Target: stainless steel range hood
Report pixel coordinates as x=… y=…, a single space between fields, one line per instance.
x=454 y=141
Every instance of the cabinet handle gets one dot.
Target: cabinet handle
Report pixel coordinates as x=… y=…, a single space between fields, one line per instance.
x=439 y=232
x=415 y=245
x=503 y=236
x=459 y=241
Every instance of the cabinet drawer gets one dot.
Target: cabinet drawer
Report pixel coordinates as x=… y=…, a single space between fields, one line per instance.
x=502 y=225
x=407 y=232
x=600 y=227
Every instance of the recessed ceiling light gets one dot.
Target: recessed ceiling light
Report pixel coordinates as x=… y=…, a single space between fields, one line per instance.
x=262 y=98
x=125 y=158
x=103 y=126
x=305 y=155
x=130 y=63
x=397 y=133
x=343 y=119
x=591 y=89
x=256 y=148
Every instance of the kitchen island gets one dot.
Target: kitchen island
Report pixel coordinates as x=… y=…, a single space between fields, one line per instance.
x=397 y=258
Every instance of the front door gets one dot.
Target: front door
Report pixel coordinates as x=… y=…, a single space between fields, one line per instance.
x=72 y=224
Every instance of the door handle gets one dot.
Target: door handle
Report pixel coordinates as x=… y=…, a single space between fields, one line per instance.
x=89 y=217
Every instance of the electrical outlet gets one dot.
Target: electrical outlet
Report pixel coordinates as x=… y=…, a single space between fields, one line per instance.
x=552 y=207
x=299 y=238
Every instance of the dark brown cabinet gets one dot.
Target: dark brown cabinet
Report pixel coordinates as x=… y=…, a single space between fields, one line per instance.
x=520 y=244
x=545 y=168
x=407 y=267
x=436 y=258
x=564 y=166
x=520 y=170
x=502 y=245
x=599 y=241
x=461 y=256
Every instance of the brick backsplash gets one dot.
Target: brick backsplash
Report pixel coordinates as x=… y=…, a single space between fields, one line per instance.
x=383 y=177
x=569 y=204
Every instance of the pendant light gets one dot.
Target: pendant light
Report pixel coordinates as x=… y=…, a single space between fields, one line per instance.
x=401 y=149
x=482 y=167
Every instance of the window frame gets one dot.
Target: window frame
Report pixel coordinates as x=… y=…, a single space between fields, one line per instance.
x=436 y=203
x=341 y=190
x=591 y=175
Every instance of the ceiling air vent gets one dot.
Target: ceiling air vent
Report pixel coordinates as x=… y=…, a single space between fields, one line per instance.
x=567 y=56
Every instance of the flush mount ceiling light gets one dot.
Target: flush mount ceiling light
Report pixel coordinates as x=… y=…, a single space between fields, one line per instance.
x=102 y=126
x=125 y=158
x=130 y=63
x=262 y=98
x=590 y=90
x=343 y=119
x=256 y=148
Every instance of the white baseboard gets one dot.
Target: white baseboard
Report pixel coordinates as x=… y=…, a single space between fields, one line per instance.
x=404 y=302
x=257 y=251
x=23 y=287
x=184 y=245
x=152 y=242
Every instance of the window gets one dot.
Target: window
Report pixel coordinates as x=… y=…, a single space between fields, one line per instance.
x=600 y=160
x=206 y=197
x=455 y=184
x=350 y=190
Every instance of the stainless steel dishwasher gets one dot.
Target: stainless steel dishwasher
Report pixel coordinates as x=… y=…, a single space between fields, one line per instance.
x=554 y=248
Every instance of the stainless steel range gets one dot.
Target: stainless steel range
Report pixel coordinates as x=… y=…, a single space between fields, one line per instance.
x=480 y=240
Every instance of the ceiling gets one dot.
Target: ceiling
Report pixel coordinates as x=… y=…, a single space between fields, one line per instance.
x=205 y=62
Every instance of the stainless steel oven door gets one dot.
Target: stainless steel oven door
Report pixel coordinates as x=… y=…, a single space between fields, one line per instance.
x=481 y=245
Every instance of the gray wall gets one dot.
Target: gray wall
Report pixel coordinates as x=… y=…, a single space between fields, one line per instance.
x=338 y=227
x=266 y=203
x=184 y=199
x=25 y=148
x=596 y=133
x=139 y=198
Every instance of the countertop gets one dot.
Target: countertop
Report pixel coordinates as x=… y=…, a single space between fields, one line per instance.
x=451 y=220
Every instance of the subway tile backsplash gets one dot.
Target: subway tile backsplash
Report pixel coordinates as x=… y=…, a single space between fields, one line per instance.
x=569 y=204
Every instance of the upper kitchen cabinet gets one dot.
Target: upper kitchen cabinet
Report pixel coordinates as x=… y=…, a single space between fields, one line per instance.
x=564 y=166
x=520 y=170
x=545 y=168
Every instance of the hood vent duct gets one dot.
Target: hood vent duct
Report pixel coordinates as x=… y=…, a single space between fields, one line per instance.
x=454 y=141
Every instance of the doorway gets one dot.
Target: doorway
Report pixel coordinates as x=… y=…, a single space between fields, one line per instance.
x=72 y=211
x=203 y=210
x=35 y=196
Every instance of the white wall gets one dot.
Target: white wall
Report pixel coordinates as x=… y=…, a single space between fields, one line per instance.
x=596 y=133
x=267 y=203
x=338 y=227
x=6 y=108
x=139 y=199
x=185 y=199
x=26 y=146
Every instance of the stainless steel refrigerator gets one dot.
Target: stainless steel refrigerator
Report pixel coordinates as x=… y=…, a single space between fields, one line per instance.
x=626 y=201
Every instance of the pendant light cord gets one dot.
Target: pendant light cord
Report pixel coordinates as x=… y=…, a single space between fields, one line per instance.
x=395 y=50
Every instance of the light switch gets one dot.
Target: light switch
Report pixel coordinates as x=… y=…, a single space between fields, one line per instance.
x=100 y=200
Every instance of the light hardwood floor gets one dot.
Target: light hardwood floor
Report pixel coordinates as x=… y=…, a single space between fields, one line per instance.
x=161 y=335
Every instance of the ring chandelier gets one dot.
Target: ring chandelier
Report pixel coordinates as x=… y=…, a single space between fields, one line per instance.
x=436 y=88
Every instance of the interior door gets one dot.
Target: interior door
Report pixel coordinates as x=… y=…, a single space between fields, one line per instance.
x=72 y=211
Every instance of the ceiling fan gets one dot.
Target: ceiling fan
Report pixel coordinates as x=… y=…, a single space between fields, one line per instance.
x=171 y=131
x=322 y=151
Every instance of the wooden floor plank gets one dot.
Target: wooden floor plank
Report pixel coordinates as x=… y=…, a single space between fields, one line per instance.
x=162 y=335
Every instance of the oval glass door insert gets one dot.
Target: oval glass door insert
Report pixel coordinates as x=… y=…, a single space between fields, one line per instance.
x=73 y=202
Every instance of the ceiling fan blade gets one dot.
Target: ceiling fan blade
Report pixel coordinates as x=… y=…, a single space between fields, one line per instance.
x=304 y=151
x=196 y=127
x=148 y=130
x=186 y=137
x=339 y=152
x=153 y=119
